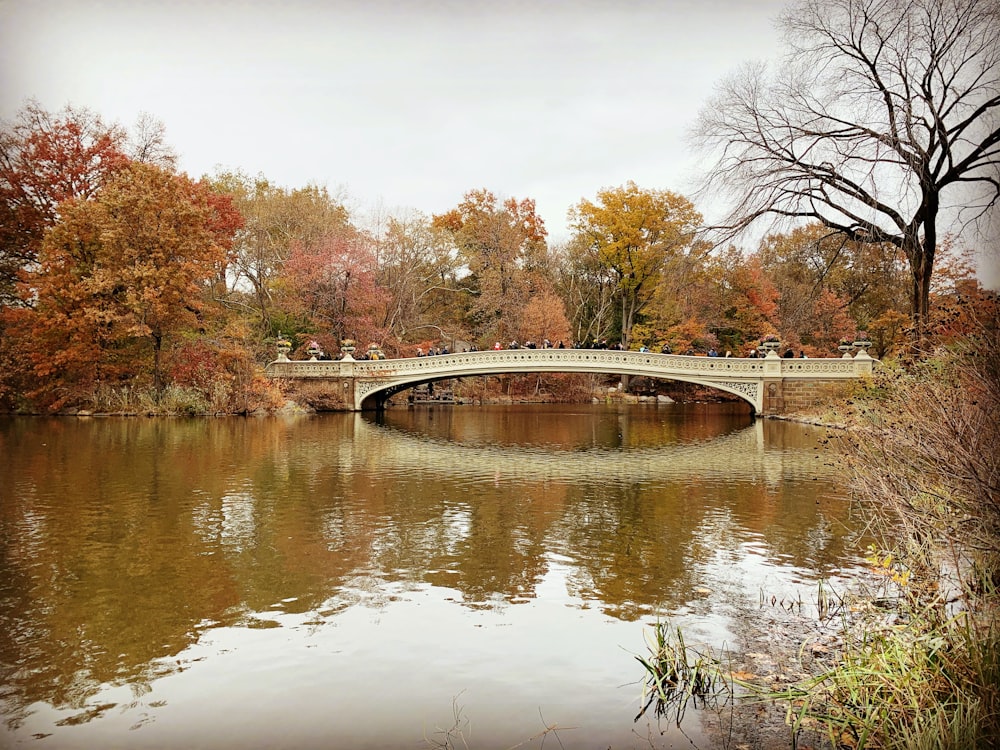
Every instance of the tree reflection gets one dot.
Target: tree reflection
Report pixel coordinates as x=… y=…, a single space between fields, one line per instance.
x=123 y=541
x=633 y=546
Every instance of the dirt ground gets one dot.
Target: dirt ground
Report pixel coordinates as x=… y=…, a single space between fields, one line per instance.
x=780 y=645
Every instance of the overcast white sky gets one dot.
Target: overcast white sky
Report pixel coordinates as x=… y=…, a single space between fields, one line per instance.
x=402 y=104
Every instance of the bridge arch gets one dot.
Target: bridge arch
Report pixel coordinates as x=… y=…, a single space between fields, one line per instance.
x=376 y=393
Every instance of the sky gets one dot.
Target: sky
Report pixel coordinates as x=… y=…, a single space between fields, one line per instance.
x=405 y=104
x=400 y=105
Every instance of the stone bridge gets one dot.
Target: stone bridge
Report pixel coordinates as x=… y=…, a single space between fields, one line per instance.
x=771 y=385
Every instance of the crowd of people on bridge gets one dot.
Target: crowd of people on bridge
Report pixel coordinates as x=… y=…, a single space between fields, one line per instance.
x=439 y=350
x=546 y=344
x=375 y=352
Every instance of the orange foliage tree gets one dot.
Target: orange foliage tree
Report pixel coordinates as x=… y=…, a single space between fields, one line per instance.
x=116 y=276
x=544 y=317
x=744 y=301
x=503 y=245
x=830 y=323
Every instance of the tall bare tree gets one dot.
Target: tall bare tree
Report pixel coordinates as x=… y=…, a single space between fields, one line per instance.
x=148 y=144
x=882 y=123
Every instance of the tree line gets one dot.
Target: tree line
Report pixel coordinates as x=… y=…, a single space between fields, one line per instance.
x=118 y=270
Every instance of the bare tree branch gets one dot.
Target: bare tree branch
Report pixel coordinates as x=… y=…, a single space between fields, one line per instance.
x=883 y=123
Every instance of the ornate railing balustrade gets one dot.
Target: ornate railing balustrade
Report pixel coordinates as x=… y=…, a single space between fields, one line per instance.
x=375 y=380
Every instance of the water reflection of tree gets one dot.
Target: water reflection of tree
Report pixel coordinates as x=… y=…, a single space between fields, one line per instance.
x=568 y=427
x=813 y=536
x=98 y=589
x=633 y=547
x=502 y=554
x=124 y=540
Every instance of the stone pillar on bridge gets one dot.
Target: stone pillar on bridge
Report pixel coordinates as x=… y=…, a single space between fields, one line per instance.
x=773 y=398
x=347 y=381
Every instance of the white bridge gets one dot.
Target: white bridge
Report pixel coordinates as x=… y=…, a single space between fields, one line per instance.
x=771 y=385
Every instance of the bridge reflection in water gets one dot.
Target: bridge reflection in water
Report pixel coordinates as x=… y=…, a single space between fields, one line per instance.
x=769 y=384
x=741 y=452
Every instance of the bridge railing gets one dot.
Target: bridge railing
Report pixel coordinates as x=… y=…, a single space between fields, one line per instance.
x=575 y=360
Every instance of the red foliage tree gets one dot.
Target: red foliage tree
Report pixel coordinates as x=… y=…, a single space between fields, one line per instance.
x=47 y=159
x=333 y=284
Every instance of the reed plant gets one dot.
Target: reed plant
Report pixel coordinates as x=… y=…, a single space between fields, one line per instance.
x=131 y=400
x=678 y=675
x=910 y=674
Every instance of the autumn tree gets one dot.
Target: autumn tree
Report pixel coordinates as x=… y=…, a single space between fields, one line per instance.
x=962 y=305
x=634 y=233
x=46 y=159
x=333 y=283
x=275 y=220
x=681 y=304
x=544 y=318
x=418 y=269
x=118 y=274
x=881 y=124
x=744 y=301
x=828 y=323
x=588 y=288
x=812 y=266
x=502 y=243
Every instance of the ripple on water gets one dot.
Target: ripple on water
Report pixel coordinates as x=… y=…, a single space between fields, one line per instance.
x=295 y=566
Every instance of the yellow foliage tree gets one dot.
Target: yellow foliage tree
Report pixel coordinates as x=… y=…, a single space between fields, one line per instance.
x=634 y=232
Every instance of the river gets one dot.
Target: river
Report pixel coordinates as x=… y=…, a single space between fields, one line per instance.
x=430 y=577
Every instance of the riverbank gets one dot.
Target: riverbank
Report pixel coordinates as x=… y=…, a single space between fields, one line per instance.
x=269 y=397
x=913 y=660
x=908 y=654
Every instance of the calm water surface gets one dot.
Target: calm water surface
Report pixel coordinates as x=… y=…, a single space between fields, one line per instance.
x=342 y=581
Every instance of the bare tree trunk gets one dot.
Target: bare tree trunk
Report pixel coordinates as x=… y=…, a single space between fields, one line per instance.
x=874 y=139
x=157 y=375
